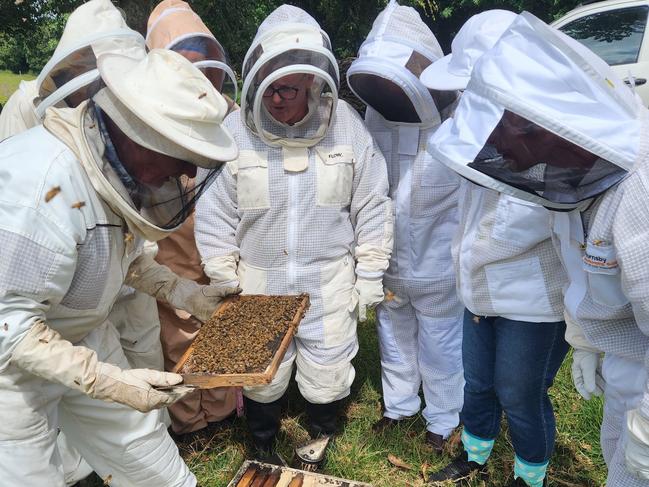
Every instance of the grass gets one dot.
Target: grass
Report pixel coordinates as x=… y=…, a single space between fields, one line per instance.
x=360 y=455
x=9 y=83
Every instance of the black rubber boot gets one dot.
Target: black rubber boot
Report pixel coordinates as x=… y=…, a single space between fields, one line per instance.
x=322 y=418
x=263 y=425
x=459 y=470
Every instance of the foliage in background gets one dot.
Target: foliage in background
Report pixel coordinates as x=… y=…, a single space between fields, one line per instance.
x=29 y=29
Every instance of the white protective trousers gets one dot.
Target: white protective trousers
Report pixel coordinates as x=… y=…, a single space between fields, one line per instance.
x=625 y=383
x=420 y=324
x=132 y=448
x=324 y=373
x=419 y=349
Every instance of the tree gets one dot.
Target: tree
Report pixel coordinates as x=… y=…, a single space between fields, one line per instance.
x=30 y=29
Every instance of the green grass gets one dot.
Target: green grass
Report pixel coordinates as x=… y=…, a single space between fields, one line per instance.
x=9 y=83
x=361 y=455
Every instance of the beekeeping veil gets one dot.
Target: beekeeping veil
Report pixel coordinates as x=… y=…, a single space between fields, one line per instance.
x=289 y=42
x=165 y=104
x=386 y=74
x=94 y=28
x=543 y=119
x=174 y=25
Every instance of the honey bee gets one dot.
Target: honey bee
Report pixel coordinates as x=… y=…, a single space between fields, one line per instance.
x=78 y=205
x=128 y=237
x=52 y=193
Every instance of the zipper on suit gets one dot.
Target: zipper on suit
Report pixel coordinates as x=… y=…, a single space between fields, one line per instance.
x=292 y=230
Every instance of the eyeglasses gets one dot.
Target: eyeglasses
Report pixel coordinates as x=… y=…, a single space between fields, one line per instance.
x=284 y=92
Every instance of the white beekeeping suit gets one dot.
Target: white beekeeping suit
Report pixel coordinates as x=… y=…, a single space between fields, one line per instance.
x=420 y=328
x=74 y=219
x=68 y=78
x=303 y=209
x=19 y=113
x=536 y=83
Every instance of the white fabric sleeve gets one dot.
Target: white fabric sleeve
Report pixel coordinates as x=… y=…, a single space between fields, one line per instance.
x=37 y=266
x=371 y=207
x=217 y=217
x=631 y=237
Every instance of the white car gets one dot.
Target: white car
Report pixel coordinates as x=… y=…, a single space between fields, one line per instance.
x=615 y=31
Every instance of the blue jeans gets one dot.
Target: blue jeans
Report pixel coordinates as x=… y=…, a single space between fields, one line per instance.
x=509 y=366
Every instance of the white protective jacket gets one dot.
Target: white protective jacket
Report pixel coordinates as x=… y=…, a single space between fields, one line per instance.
x=293 y=232
x=504 y=258
x=65 y=257
x=71 y=244
x=19 y=114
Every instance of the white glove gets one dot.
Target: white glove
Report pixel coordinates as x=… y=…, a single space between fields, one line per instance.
x=44 y=353
x=587 y=373
x=366 y=294
x=197 y=299
x=222 y=271
x=162 y=283
x=637 y=446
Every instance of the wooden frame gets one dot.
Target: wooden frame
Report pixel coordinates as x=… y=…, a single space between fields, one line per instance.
x=287 y=477
x=209 y=381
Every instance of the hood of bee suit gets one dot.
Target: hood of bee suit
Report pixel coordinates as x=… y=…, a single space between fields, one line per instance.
x=174 y=25
x=289 y=44
x=96 y=27
x=385 y=76
x=186 y=127
x=543 y=119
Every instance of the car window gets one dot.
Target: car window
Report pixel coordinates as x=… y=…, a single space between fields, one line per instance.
x=614 y=35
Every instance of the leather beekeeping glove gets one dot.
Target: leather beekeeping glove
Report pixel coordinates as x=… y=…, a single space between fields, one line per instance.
x=44 y=353
x=367 y=293
x=222 y=271
x=587 y=373
x=637 y=446
x=165 y=285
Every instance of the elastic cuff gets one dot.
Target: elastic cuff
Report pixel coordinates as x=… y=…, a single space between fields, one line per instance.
x=531 y=473
x=233 y=283
x=372 y=276
x=478 y=449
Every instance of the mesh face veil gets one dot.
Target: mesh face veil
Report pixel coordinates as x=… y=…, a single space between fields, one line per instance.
x=165 y=204
x=543 y=119
x=386 y=74
x=291 y=79
x=174 y=25
x=71 y=75
x=208 y=55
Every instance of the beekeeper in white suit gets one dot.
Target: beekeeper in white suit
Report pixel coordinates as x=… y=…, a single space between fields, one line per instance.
x=79 y=194
x=510 y=279
x=420 y=327
x=303 y=209
x=70 y=77
x=537 y=83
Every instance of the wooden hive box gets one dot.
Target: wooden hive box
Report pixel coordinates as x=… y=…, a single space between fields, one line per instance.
x=209 y=381
x=266 y=475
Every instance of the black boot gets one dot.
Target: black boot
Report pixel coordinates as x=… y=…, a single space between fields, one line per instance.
x=263 y=425
x=323 y=419
x=459 y=469
x=519 y=482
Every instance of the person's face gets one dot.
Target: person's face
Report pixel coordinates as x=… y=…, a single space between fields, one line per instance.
x=144 y=165
x=524 y=144
x=287 y=98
